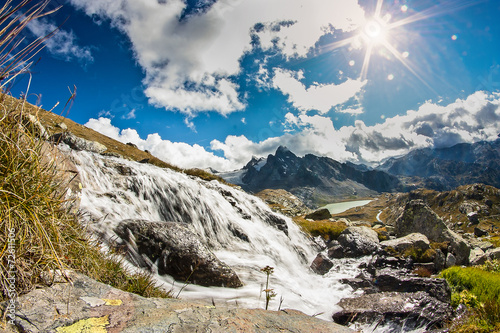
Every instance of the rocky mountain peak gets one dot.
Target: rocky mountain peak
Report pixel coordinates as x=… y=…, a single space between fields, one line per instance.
x=283 y=151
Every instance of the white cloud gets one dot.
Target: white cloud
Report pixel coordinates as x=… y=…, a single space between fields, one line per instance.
x=62 y=44
x=321 y=97
x=130 y=115
x=190 y=64
x=177 y=153
x=470 y=120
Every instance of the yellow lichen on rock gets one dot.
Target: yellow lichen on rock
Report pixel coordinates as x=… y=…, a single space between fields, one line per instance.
x=113 y=302
x=89 y=325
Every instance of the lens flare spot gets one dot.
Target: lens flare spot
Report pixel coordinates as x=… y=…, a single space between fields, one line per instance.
x=454 y=37
x=390 y=77
x=373 y=29
x=352 y=63
x=405 y=54
x=404 y=8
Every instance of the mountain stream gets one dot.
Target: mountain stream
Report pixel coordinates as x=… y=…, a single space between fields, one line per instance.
x=115 y=189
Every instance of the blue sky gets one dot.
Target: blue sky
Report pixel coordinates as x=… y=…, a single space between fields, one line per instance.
x=204 y=83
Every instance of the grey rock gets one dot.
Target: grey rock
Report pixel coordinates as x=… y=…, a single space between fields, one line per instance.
x=78 y=143
x=409 y=310
x=477 y=257
x=133 y=145
x=395 y=280
x=335 y=250
x=439 y=261
x=414 y=240
x=473 y=217
x=358 y=241
x=450 y=260
x=493 y=253
x=62 y=126
x=418 y=217
x=478 y=232
x=176 y=250
x=320 y=214
x=51 y=309
x=321 y=264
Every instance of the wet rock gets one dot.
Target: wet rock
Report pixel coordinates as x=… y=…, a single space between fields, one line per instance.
x=78 y=143
x=320 y=214
x=414 y=240
x=408 y=310
x=321 y=264
x=176 y=251
x=478 y=232
x=335 y=251
x=396 y=280
x=100 y=308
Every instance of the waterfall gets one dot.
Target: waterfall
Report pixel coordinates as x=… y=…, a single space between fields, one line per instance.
x=115 y=189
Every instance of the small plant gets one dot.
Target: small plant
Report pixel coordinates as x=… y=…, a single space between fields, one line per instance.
x=269 y=292
x=422 y=272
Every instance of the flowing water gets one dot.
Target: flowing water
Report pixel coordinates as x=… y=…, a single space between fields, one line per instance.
x=115 y=189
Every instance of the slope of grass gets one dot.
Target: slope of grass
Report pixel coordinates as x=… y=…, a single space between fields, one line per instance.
x=37 y=231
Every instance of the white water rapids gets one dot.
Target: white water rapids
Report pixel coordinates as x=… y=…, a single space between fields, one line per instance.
x=115 y=189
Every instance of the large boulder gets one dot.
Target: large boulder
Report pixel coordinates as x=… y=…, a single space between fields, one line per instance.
x=418 y=217
x=175 y=250
x=402 y=311
x=414 y=240
x=358 y=241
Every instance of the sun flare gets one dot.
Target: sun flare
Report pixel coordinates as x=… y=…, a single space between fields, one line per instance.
x=377 y=31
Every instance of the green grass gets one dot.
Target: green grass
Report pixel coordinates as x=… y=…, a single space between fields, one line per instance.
x=479 y=289
x=327 y=229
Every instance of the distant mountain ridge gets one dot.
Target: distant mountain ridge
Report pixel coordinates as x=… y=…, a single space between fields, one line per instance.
x=447 y=168
x=315 y=180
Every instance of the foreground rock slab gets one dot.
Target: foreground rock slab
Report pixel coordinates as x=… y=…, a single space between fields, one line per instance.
x=90 y=306
x=393 y=311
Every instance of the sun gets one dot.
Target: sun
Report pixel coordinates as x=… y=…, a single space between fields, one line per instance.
x=378 y=29
x=374 y=32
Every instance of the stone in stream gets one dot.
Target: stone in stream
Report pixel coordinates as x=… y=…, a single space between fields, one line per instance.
x=393 y=311
x=176 y=250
